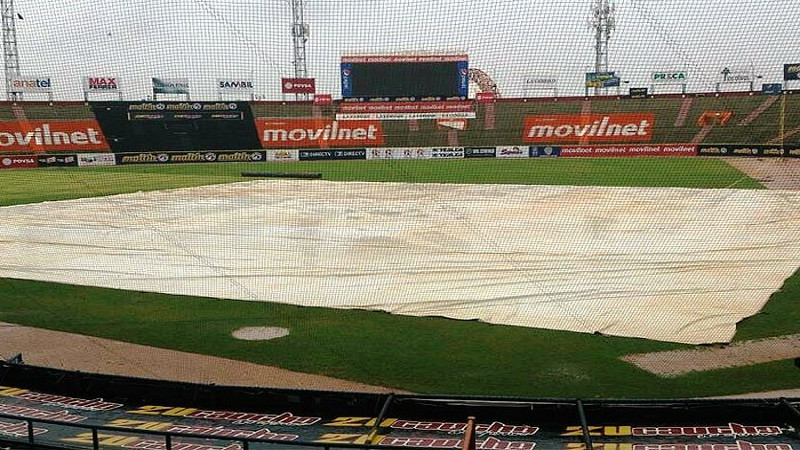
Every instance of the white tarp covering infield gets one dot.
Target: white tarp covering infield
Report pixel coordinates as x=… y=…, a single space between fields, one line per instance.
x=670 y=264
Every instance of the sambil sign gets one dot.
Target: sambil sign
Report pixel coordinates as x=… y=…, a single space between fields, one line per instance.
x=320 y=133
x=51 y=135
x=298 y=85
x=102 y=84
x=585 y=128
x=227 y=85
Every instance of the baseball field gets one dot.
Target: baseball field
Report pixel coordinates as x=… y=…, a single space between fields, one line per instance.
x=420 y=354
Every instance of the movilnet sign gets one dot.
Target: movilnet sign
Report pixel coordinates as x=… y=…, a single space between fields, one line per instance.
x=100 y=84
x=170 y=85
x=319 y=133
x=587 y=128
x=406 y=110
x=791 y=71
x=231 y=85
x=31 y=84
x=51 y=135
x=298 y=85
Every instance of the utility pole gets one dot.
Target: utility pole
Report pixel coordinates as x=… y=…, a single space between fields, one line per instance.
x=602 y=22
x=300 y=33
x=10 y=53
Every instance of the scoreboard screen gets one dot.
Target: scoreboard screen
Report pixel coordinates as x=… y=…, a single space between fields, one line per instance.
x=393 y=77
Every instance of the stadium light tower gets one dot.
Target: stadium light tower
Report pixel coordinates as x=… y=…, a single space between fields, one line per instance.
x=10 y=53
x=300 y=33
x=602 y=22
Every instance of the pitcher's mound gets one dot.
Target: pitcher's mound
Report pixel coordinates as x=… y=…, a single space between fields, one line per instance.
x=260 y=333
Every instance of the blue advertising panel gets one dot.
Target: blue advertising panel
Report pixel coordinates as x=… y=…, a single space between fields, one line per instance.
x=347 y=82
x=771 y=88
x=601 y=79
x=463 y=79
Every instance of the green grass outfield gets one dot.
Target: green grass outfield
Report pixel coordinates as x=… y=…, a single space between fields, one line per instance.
x=430 y=355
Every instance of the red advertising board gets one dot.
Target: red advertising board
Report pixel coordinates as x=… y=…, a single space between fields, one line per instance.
x=51 y=135
x=406 y=110
x=484 y=97
x=323 y=99
x=628 y=150
x=588 y=128
x=362 y=59
x=298 y=85
x=18 y=161
x=318 y=133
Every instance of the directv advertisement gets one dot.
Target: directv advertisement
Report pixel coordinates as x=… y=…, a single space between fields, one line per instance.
x=170 y=85
x=601 y=79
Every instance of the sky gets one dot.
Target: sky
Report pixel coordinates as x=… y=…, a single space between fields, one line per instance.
x=511 y=40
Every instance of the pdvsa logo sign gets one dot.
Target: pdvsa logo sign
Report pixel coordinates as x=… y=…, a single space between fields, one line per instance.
x=298 y=85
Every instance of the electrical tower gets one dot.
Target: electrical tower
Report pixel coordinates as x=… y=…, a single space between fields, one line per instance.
x=300 y=32
x=10 y=54
x=602 y=22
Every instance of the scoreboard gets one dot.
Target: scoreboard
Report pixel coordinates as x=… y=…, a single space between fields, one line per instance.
x=407 y=77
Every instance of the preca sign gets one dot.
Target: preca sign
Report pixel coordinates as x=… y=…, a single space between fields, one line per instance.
x=667 y=77
x=320 y=133
x=40 y=136
x=587 y=128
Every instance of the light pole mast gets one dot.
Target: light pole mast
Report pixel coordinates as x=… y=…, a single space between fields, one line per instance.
x=602 y=22
x=10 y=53
x=300 y=32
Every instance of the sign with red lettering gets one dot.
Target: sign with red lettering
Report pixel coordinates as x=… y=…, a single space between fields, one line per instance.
x=319 y=133
x=51 y=135
x=587 y=128
x=323 y=99
x=298 y=85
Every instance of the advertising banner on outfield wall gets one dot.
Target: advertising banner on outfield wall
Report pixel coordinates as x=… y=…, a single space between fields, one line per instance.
x=544 y=151
x=399 y=153
x=588 y=128
x=57 y=160
x=298 y=85
x=315 y=155
x=318 y=132
x=601 y=79
x=189 y=157
x=18 y=161
x=447 y=152
x=740 y=150
x=791 y=71
x=406 y=110
x=31 y=84
x=772 y=88
x=283 y=155
x=51 y=135
x=627 y=150
x=512 y=151
x=480 y=152
x=96 y=159
x=180 y=111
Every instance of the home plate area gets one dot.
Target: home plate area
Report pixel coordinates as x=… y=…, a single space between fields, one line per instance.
x=671 y=264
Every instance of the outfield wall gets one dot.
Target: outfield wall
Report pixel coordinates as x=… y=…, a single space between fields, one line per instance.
x=62 y=409
x=732 y=119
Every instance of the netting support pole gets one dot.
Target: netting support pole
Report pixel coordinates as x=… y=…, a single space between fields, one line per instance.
x=10 y=53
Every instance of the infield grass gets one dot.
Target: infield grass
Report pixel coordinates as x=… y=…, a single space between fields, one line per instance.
x=430 y=355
